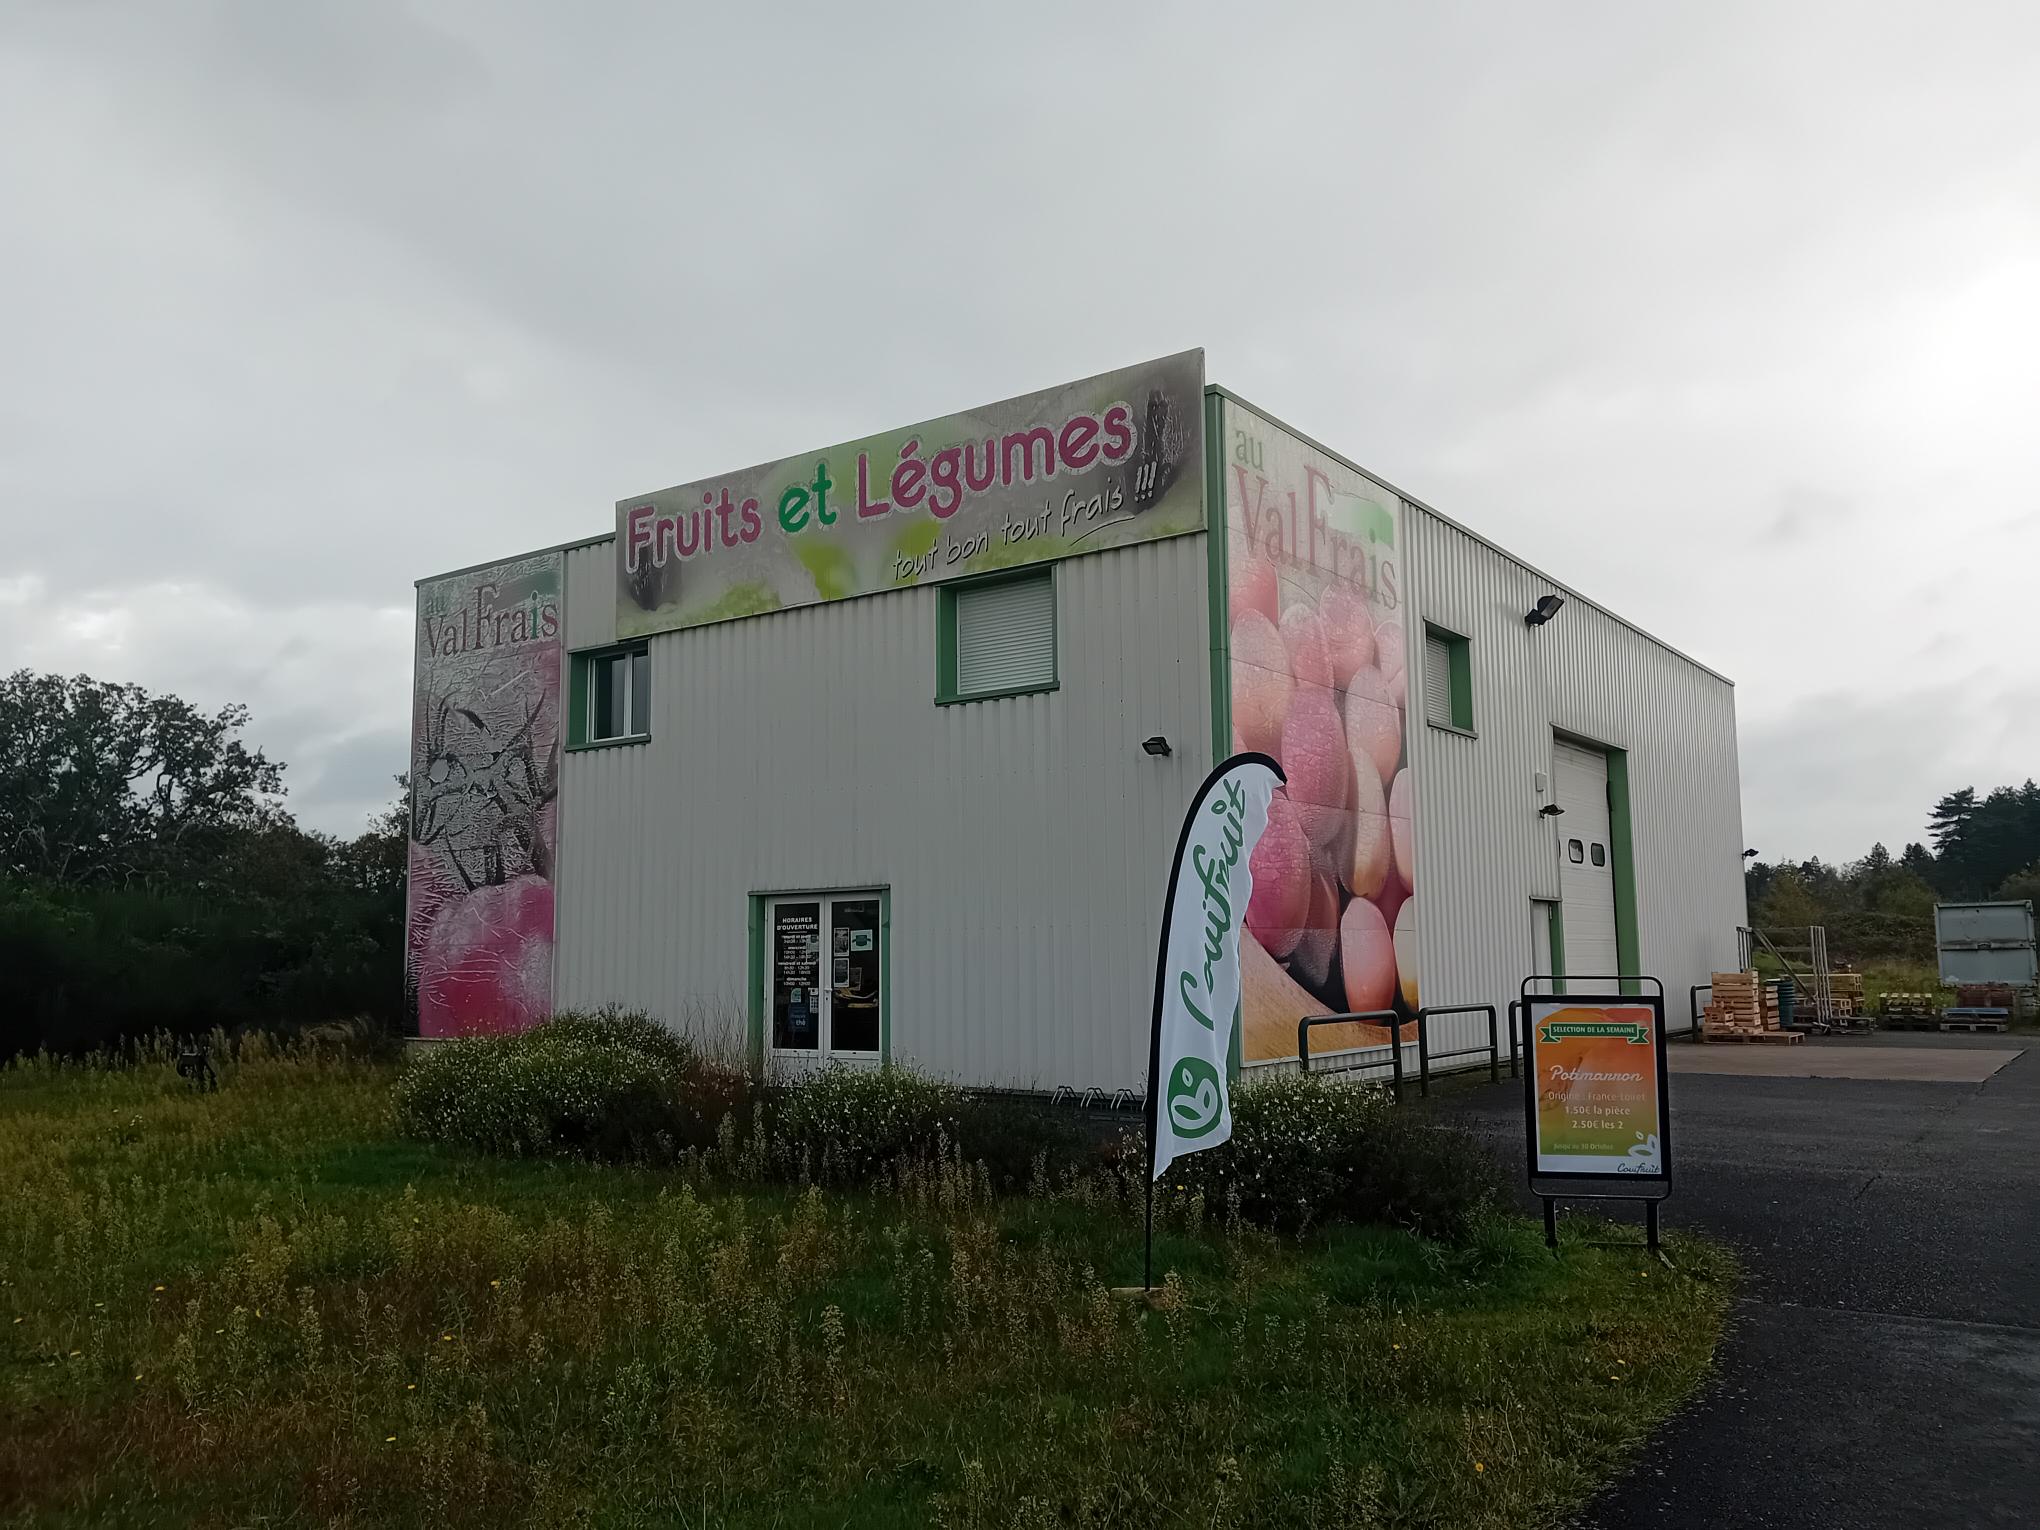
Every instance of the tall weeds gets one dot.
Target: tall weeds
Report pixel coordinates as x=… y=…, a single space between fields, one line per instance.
x=257 y=1304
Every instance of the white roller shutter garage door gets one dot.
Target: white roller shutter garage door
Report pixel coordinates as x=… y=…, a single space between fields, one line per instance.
x=1586 y=865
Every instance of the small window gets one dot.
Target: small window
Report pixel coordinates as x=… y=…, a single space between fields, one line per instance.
x=996 y=637
x=1448 y=679
x=1599 y=855
x=1575 y=851
x=612 y=696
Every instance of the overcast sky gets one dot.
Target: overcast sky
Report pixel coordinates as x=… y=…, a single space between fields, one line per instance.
x=1728 y=318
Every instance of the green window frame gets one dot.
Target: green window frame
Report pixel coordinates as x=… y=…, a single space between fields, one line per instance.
x=1459 y=678
x=952 y=602
x=590 y=675
x=1622 y=858
x=1555 y=913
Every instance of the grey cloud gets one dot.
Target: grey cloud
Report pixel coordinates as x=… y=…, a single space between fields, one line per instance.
x=350 y=780
x=1805 y=511
x=1841 y=772
x=309 y=301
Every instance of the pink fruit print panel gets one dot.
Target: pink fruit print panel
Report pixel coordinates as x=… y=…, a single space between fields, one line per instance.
x=1316 y=612
x=485 y=770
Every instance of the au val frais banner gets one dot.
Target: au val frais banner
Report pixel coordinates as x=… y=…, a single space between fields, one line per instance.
x=485 y=770
x=1317 y=606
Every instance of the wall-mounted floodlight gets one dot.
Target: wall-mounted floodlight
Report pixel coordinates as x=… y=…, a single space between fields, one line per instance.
x=1545 y=609
x=1749 y=855
x=1156 y=746
x=1550 y=810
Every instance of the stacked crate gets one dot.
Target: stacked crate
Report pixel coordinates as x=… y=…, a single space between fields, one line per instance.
x=1988 y=996
x=1734 y=1003
x=1743 y=1007
x=1846 y=989
x=1912 y=1011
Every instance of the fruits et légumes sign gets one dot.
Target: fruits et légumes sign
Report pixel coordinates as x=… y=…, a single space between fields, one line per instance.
x=1098 y=463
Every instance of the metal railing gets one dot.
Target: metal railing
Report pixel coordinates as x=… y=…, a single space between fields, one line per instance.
x=1366 y=1017
x=1425 y=1057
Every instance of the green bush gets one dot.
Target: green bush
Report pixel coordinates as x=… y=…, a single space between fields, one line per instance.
x=1307 y=1150
x=1304 y=1151
x=1010 y=1137
x=610 y=1086
x=848 y=1125
x=624 y=1028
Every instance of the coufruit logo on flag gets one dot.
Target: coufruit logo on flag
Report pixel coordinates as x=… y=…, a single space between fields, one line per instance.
x=1197 y=974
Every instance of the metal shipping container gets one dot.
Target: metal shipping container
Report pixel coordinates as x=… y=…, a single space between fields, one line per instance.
x=1986 y=943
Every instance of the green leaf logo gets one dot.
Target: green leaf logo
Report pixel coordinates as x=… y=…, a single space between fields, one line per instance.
x=1193 y=1097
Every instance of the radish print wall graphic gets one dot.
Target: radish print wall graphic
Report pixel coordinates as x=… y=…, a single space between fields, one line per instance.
x=485 y=766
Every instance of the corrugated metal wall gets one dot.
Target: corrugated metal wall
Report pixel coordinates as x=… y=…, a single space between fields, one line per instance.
x=1483 y=853
x=1024 y=840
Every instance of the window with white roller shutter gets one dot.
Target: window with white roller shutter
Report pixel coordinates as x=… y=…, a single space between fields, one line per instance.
x=1448 y=680
x=998 y=638
x=1437 y=680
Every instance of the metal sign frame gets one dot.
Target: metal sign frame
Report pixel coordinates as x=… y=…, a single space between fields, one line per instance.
x=1550 y=1187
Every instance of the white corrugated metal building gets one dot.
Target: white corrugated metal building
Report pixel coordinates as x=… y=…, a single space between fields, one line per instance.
x=881 y=751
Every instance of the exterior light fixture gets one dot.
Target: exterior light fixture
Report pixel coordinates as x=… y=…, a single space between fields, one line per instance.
x=1749 y=855
x=1156 y=746
x=1545 y=609
x=1550 y=810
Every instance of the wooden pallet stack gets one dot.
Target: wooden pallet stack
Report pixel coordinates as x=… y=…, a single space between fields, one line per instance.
x=1742 y=1007
x=1846 y=989
x=1912 y=1011
x=1734 y=1002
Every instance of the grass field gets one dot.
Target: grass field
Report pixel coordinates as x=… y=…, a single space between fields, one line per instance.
x=259 y=1307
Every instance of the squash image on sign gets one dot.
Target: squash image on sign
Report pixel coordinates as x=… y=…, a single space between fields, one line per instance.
x=1595 y=1070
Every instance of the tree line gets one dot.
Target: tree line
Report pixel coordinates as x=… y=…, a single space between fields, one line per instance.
x=1881 y=907
x=151 y=878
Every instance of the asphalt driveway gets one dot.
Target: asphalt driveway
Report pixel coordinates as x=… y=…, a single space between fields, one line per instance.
x=1883 y=1368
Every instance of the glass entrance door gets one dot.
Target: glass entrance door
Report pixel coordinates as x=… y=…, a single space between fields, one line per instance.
x=854 y=995
x=824 y=975
x=796 y=975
